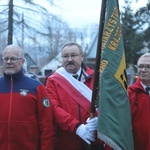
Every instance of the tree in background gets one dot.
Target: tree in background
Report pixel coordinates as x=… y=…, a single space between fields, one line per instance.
x=133 y=32
x=18 y=17
x=42 y=34
x=34 y=28
x=143 y=19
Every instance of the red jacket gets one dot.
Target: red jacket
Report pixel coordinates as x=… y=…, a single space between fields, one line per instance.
x=140 y=109
x=25 y=114
x=68 y=113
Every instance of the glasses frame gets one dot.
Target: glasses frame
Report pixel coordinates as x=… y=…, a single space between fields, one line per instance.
x=73 y=56
x=12 y=59
x=140 y=67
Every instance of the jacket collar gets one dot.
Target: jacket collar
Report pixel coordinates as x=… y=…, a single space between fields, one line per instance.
x=137 y=85
x=87 y=71
x=15 y=76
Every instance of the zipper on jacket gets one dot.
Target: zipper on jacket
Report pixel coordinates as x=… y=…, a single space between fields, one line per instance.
x=10 y=107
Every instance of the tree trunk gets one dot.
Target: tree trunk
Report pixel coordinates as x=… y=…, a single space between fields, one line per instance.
x=10 y=22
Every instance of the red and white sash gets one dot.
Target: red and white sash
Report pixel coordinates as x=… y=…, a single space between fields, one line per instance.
x=76 y=89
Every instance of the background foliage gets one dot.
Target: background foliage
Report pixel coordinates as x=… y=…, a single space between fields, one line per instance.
x=41 y=33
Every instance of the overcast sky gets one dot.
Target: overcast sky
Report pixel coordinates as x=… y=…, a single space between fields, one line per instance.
x=80 y=13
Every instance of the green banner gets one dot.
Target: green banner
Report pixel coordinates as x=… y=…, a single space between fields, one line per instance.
x=114 y=121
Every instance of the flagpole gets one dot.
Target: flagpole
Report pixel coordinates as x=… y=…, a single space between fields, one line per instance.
x=96 y=89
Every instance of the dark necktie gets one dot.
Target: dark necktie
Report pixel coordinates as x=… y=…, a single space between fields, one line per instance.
x=75 y=76
x=148 y=89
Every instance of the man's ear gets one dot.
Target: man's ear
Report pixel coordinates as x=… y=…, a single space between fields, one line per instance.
x=83 y=55
x=23 y=60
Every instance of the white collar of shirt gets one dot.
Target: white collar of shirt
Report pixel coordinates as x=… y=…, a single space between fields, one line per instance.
x=78 y=73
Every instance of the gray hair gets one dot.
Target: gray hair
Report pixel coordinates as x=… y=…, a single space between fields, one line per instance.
x=73 y=43
x=16 y=47
x=144 y=55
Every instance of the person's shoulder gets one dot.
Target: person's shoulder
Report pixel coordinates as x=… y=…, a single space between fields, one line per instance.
x=136 y=86
x=51 y=75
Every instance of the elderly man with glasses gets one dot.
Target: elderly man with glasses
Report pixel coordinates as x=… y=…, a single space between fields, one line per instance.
x=139 y=96
x=25 y=110
x=69 y=89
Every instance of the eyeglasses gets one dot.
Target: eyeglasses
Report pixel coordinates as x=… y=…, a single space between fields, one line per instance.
x=12 y=59
x=147 y=67
x=73 y=56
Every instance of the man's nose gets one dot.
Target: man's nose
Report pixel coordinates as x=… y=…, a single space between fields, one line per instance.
x=143 y=68
x=8 y=61
x=70 y=58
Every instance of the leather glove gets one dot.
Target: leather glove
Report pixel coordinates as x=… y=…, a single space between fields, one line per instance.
x=85 y=134
x=92 y=124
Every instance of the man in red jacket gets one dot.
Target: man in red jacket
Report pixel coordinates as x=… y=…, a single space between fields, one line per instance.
x=139 y=95
x=70 y=90
x=25 y=110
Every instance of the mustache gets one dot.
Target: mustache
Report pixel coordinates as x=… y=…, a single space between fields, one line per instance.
x=70 y=63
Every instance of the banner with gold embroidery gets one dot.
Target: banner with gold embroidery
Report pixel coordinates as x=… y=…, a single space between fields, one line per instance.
x=114 y=121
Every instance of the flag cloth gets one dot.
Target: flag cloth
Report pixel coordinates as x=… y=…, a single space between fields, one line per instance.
x=114 y=121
